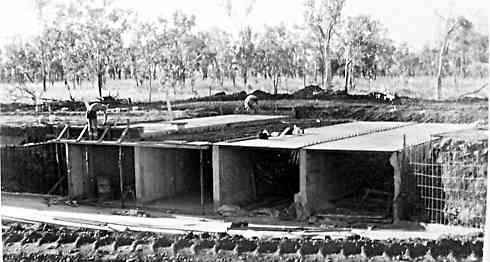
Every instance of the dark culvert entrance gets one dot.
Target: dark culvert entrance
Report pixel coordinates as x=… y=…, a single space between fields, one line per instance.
x=275 y=179
x=355 y=183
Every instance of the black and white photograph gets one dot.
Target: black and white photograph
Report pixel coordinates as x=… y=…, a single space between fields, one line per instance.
x=244 y=130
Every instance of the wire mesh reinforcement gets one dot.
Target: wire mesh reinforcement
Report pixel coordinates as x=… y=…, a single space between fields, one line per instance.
x=449 y=190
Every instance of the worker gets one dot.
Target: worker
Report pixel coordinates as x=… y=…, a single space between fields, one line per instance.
x=91 y=115
x=251 y=103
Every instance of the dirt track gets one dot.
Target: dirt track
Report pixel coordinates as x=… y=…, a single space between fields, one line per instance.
x=48 y=243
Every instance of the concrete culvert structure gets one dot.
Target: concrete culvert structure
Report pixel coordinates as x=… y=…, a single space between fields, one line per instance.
x=166 y=174
x=246 y=177
x=355 y=166
x=95 y=171
x=244 y=171
x=347 y=182
x=372 y=163
x=174 y=178
x=169 y=174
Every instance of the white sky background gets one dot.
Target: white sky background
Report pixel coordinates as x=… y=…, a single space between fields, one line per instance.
x=412 y=21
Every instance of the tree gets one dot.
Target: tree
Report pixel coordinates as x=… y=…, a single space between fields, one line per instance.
x=450 y=26
x=362 y=39
x=40 y=5
x=100 y=39
x=323 y=17
x=218 y=55
x=244 y=54
x=145 y=57
x=275 y=54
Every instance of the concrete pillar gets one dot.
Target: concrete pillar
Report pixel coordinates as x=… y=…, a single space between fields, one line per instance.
x=302 y=196
x=78 y=180
x=216 y=176
x=395 y=161
x=316 y=181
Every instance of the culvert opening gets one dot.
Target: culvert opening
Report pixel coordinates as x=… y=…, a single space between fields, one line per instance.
x=274 y=177
x=352 y=183
x=96 y=172
x=170 y=178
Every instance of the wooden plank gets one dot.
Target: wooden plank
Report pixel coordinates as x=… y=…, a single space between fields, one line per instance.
x=201 y=179
x=85 y=128
x=87 y=171
x=121 y=181
x=124 y=132
x=62 y=133
x=56 y=185
x=107 y=128
x=137 y=144
x=68 y=170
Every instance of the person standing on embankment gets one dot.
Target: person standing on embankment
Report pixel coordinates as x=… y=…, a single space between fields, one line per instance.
x=251 y=104
x=91 y=115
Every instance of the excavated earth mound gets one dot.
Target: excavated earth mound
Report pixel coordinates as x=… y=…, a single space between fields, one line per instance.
x=24 y=242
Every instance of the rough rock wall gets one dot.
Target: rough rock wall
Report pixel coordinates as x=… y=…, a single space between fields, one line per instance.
x=33 y=169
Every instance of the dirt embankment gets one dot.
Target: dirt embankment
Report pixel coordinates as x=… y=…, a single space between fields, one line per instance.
x=49 y=243
x=449 y=112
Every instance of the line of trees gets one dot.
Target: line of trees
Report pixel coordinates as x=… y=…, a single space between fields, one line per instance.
x=88 y=42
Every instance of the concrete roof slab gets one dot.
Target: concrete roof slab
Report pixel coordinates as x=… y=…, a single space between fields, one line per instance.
x=391 y=140
x=317 y=135
x=203 y=122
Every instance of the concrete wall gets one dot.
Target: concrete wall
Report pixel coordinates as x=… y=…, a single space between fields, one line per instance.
x=80 y=182
x=103 y=162
x=329 y=176
x=163 y=172
x=232 y=175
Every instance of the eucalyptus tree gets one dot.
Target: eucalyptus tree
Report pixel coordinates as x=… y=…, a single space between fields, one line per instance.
x=323 y=18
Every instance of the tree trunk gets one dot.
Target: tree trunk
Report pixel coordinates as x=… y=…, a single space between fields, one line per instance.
x=351 y=77
x=74 y=82
x=346 y=75
x=323 y=85
x=304 y=78
x=286 y=83
x=245 y=79
x=439 y=70
x=275 y=81
x=99 y=83
x=44 y=80
x=43 y=67
x=149 y=89
x=233 y=79
x=327 y=74
x=169 y=106
x=183 y=80
x=316 y=73
x=67 y=86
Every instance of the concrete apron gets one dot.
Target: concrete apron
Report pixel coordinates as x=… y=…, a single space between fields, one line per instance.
x=184 y=224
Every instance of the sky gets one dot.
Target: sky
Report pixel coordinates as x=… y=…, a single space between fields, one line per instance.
x=414 y=22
